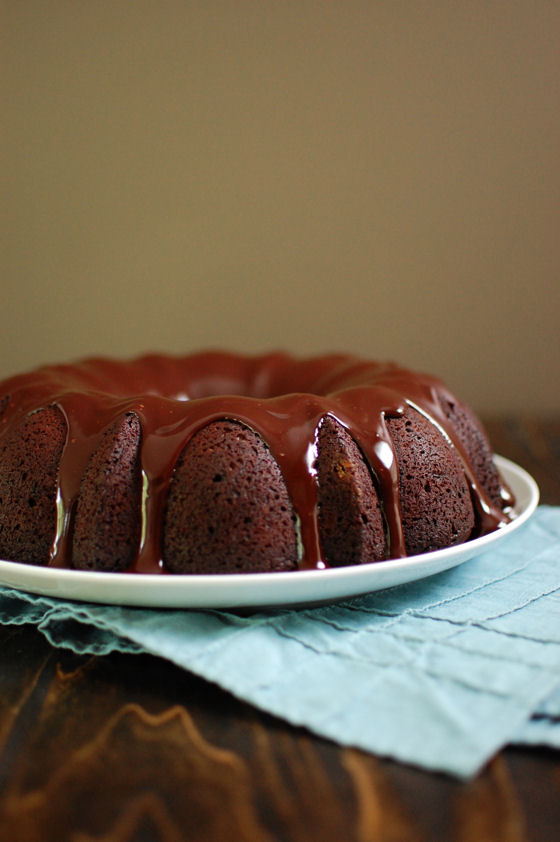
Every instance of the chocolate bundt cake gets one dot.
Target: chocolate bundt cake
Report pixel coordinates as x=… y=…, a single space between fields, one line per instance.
x=219 y=463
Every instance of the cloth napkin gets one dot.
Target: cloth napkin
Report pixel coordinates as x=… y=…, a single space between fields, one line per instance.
x=440 y=673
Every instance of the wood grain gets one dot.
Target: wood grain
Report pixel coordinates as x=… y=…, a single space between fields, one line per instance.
x=128 y=748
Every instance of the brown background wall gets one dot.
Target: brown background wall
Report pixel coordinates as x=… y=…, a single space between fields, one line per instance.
x=378 y=177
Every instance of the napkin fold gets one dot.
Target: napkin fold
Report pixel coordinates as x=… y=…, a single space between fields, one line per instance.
x=440 y=673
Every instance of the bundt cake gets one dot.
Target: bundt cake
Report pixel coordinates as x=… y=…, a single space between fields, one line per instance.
x=220 y=463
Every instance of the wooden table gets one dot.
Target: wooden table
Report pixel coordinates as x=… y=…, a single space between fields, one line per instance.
x=124 y=748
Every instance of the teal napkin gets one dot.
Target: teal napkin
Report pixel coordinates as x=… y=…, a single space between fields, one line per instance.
x=440 y=673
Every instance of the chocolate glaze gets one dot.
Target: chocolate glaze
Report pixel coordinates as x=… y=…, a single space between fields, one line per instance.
x=280 y=397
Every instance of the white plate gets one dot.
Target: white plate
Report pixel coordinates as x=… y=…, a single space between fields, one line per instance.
x=253 y=590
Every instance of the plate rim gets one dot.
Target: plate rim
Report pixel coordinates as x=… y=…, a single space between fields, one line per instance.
x=254 y=590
